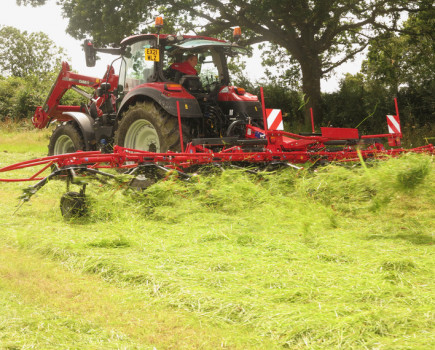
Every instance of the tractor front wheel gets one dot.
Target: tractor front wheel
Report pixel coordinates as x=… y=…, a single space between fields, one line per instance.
x=147 y=127
x=65 y=139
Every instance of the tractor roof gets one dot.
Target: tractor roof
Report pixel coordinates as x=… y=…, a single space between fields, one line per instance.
x=192 y=43
x=169 y=37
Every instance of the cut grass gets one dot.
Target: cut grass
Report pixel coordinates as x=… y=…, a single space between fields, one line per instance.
x=64 y=310
x=338 y=258
x=24 y=325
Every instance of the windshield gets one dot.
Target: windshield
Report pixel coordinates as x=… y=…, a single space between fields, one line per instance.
x=207 y=68
x=137 y=68
x=202 y=44
x=211 y=66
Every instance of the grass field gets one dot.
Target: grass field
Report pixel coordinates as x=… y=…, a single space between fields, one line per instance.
x=338 y=258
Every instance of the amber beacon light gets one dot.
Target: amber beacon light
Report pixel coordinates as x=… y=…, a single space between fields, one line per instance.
x=159 y=22
x=237 y=33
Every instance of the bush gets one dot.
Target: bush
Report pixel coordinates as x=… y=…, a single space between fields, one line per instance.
x=365 y=104
x=278 y=96
x=19 y=96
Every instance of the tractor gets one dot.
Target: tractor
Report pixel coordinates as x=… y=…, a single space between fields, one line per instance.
x=138 y=108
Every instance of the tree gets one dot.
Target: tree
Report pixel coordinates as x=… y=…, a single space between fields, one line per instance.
x=319 y=34
x=398 y=65
x=19 y=96
x=404 y=59
x=404 y=65
x=23 y=54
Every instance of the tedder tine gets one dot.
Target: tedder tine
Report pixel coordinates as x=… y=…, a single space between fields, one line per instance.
x=31 y=190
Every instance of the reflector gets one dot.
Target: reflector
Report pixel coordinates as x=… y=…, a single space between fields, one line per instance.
x=173 y=87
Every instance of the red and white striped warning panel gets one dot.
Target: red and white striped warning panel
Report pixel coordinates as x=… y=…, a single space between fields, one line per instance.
x=393 y=122
x=274 y=119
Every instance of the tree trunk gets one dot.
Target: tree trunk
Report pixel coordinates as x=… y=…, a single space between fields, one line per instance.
x=311 y=74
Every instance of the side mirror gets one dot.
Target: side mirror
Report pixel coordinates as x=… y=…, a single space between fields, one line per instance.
x=90 y=53
x=126 y=52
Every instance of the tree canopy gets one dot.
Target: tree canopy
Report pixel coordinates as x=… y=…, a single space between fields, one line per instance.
x=406 y=59
x=320 y=35
x=23 y=54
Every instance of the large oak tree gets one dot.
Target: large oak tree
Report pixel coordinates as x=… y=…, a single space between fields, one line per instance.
x=319 y=34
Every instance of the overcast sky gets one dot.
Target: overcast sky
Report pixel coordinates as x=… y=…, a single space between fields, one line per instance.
x=48 y=19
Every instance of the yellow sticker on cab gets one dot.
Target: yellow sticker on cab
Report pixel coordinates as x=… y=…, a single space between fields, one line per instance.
x=152 y=55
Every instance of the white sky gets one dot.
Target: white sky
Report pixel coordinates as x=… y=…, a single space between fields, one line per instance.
x=48 y=19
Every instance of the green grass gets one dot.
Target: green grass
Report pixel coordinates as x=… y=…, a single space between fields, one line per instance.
x=18 y=138
x=27 y=326
x=340 y=257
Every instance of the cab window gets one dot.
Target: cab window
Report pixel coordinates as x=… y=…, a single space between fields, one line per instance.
x=135 y=70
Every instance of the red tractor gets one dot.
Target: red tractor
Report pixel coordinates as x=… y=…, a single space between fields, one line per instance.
x=137 y=108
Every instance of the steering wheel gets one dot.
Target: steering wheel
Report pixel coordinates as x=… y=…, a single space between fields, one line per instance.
x=210 y=87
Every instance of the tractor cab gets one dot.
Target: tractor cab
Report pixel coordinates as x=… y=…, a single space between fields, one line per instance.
x=149 y=58
x=205 y=95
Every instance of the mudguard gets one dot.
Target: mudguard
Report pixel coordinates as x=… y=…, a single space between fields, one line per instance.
x=189 y=107
x=85 y=122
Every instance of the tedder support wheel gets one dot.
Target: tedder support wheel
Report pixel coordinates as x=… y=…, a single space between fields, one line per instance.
x=65 y=139
x=147 y=127
x=73 y=205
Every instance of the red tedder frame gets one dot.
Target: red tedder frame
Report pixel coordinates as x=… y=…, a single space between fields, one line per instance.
x=125 y=158
x=275 y=146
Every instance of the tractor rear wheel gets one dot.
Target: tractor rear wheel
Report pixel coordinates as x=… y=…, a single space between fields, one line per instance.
x=65 y=139
x=147 y=127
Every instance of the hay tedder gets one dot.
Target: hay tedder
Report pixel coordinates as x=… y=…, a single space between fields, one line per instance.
x=155 y=118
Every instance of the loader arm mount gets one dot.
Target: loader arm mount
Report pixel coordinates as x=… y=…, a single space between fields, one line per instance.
x=66 y=80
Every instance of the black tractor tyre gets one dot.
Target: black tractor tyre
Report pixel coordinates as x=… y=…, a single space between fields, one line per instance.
x=66 y=138
x=147 y=127
x=73 y=205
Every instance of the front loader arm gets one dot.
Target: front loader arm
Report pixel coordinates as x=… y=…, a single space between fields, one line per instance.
x=65 y=80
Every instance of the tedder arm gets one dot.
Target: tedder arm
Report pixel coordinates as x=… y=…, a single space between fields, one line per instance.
x=51 y=109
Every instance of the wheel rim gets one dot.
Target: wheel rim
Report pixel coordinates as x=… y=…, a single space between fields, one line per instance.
x=63 y=145
x=143 y=136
